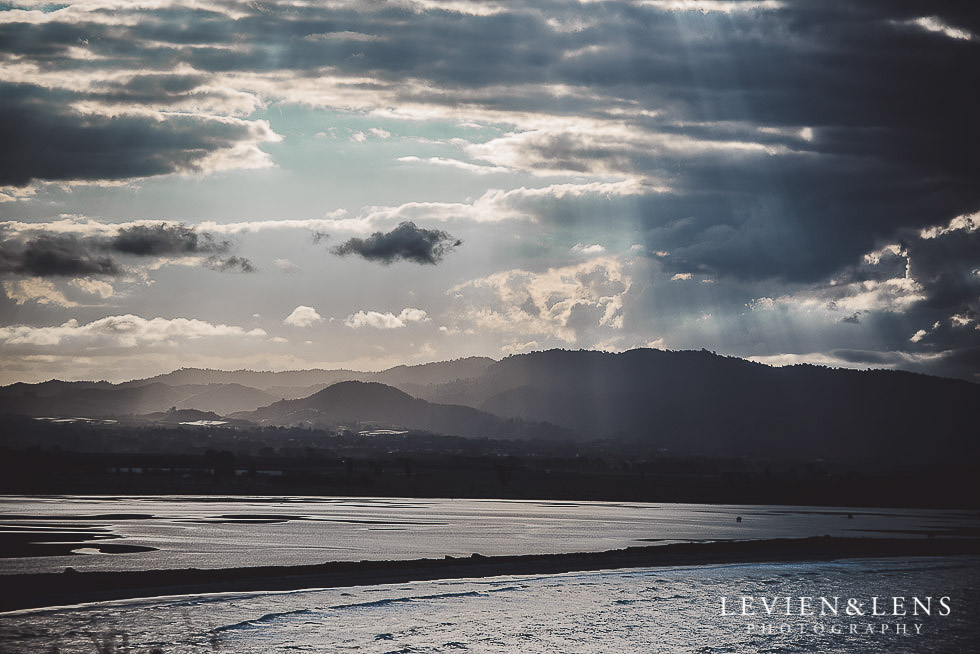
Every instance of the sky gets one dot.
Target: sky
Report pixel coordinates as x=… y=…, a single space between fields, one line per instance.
x=362 y=184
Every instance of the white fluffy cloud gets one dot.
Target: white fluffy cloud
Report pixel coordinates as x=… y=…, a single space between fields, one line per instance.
x=387 y=320
x=37 y=290
x=588 y=250
x=45 y=291
x=968 y=223
x=126 y=331
x=934 y=24
x=560 y=303
x=302 y=316
x=858 y=292
x=96 y=287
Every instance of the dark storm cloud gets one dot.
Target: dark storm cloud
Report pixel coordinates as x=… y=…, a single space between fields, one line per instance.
x=230 y=264
x=948 y=268
x=45 y=139
x=160 y=88
x=164 y=239
x=871 y=84
x=50 y=256
x=406 y=241
x=797 y=216
x=950 y=265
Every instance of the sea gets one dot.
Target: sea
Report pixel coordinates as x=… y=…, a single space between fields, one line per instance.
x=880 y=604
x=51 y=533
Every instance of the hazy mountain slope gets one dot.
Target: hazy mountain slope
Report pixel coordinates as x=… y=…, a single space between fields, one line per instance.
x=250 y=378
x=228 y=398
x=441 y=372
x=22 y=391
x=218 y=391
x=292 y=381
x=97 y=401
x=356 y=402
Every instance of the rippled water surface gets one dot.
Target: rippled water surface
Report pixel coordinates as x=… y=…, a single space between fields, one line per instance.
x=643 y=610
x=48 y=534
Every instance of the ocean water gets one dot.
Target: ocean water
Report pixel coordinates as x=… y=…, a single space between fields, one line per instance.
x=670 y=610
x=48 y=534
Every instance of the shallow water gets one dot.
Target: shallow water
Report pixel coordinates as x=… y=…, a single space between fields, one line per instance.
x=48 y=534
x=643 y=610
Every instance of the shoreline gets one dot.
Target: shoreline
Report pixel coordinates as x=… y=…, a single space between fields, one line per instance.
x=37 y=591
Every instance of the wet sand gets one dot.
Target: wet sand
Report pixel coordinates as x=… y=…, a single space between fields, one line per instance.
x=24 y=591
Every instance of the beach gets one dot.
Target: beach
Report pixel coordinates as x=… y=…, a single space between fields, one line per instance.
x=673 y=609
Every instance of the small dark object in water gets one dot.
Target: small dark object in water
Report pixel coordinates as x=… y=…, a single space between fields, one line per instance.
x=68 y=571
x=738 y=519
x=476 y=555
x=850 y=516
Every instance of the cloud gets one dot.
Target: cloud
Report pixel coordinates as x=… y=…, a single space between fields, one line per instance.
x=529 y=204
x=72 y=248
x=708 y=6
x=85 y=145
x=883 y=283
x=229 y=264
x=943 y=363
x=125 y=331
x=724 y=136
x=966 y=223
x=910 y=298
x=55 y=255
x=286 y=266
x=588 y=250
x=46 y=291
x=567 y=304
x=406 y=241
x=933 y=24
x=518 y=348
x=36 y=290
x=164 y=239
x=303 y=316
x=680 y=277
x=102 y=289
x=456 y=163
x=387 y=320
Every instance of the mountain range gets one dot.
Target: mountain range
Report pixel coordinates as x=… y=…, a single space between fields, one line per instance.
x=690 y=401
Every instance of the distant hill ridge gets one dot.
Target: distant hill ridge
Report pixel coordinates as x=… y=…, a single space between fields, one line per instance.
x=358 y=403
x=220 y=391
x=681 y=401
x=426 y=373
x=699 y=401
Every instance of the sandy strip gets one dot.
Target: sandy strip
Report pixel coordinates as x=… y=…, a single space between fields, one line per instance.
x=25 y=591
